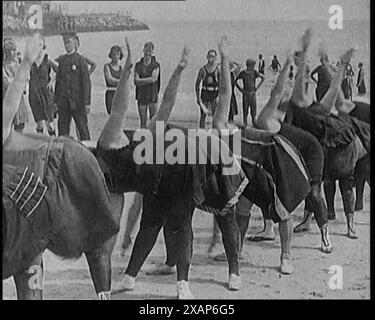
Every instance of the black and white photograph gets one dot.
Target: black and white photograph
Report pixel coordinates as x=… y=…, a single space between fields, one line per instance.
x=186 y=150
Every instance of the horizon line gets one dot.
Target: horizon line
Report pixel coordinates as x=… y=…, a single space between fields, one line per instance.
x=252 y=20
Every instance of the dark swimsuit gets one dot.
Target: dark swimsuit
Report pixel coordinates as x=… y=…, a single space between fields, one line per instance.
x=111 y=93
x=336 y=133
x=309 y=147
x=278 y=181
x=213 y=191
x=75 y=214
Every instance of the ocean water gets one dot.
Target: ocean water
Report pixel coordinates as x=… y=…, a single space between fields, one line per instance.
x=247 y=39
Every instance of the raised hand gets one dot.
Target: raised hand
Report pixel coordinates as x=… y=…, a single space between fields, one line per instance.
x=289 y=54
x=345 y=58
x=128 y=63
x=306 y=39
x=34 y=48
x=184 y=57
x=223 y=46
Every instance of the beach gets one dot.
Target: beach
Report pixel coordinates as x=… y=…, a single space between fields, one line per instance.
x=208 y=279
x=70 y=280
x=246 y=39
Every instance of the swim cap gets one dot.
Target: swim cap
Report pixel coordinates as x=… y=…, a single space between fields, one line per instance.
x=9 y=45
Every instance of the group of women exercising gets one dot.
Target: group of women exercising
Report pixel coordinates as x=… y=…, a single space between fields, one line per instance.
x=291 y=133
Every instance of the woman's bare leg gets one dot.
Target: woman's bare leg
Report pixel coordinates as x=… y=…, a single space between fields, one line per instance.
x=170 y=93
x=220 y=121
x=29 y=284
x=286 y=237
x=268 y=118
x=112 y=136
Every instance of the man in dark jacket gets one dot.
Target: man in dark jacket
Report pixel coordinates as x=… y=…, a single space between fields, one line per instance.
x=73 y=90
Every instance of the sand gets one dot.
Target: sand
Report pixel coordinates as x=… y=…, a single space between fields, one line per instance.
x=66 y=280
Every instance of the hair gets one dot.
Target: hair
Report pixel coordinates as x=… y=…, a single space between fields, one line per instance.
x=360 y=64
x=149 y=45
x=212 y=51
x=8 y=46
x=260 y=56
x=70 y=35
x=250 y=62
x=324 y=58
x=114 y=50
x=44 y=43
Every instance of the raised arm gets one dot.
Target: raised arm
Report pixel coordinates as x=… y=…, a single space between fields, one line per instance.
x=112 y=136
x=261 y=79
x=328 y=101
x=237 y=68
x=170 y=93
x=299 y=96
x=12 y=98
x=268 y=118
x=220 y=120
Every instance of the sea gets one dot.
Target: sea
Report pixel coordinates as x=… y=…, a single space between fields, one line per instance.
x=247 y=39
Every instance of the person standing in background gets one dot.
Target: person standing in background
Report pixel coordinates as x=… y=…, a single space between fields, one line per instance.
x=207 y=97
x=92 y=66
x=235 y=69
x=249 y=90
x=41 y=92
x=347 y=82
x=72 y=90
x=10 y=67
x=147 y=82
x=19 y=57
x=275 y=65
x=261 y=64
x=324 y=77
x=112 y=75
x=361 y=85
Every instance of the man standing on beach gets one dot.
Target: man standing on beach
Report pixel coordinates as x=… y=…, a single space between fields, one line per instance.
x=261 y=64
x=249 y=89
x=147 y=83
x=207 y=97
x=72 y=90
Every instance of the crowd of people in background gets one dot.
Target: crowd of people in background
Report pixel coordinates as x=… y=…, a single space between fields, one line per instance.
x=73 y=85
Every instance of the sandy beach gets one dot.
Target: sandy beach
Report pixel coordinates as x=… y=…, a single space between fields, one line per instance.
x=65 y=280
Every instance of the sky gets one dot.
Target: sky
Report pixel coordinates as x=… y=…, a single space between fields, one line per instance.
x=203 y=10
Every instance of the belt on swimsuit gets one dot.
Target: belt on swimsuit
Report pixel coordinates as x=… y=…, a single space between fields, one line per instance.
x=111 y=89
x=210 y=88
x=27 y=190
